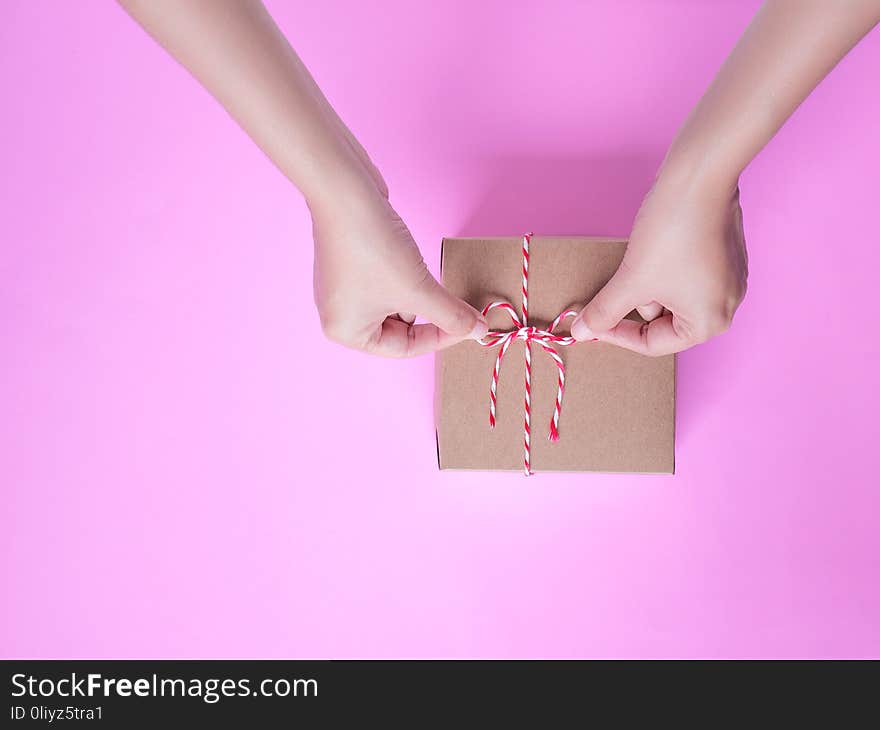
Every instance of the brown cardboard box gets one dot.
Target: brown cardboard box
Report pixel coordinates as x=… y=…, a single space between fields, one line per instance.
x=618 y=413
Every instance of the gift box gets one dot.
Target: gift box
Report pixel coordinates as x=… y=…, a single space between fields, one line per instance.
x=617 y=410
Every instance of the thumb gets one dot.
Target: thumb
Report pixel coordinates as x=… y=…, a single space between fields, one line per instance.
x=438 y=305
x=613 y=302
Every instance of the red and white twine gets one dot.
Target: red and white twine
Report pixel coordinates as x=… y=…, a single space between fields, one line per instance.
x=548 y=341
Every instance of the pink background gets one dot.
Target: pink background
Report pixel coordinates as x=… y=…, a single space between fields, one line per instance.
x=189 y=469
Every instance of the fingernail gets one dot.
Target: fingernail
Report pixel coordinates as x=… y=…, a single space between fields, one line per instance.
x=580 y=331
x=481 y=328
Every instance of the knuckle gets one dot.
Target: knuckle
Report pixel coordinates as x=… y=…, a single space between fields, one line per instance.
x=716 y=313
x=334 y=328
x=720 y=323
x=626 y=269
x=421 y=280
x=596 y=314
x=714 y=322
x=460 y=321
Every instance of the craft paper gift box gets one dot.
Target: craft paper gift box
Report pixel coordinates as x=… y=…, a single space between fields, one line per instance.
x=618 y=410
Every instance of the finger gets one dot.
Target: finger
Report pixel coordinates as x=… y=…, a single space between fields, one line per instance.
x=655 y=338
x=436 y=304
x=613 y=302
x=650 y=311
x=399 y=339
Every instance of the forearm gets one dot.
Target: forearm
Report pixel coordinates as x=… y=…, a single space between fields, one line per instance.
x=790 y=46
x=236 y=51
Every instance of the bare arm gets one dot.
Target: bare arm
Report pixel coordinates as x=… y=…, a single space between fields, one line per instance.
x=370 y=279
x=685 y=267
x=235 y=50
x=790 y=46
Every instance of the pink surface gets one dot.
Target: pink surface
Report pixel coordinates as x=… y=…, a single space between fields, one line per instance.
x=189 y=469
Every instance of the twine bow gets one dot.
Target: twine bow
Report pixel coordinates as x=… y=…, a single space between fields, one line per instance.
x=548 y=341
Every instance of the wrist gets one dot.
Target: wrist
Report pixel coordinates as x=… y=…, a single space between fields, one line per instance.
x=345 y=196
x=341 y=193
x=343 y=176
x=688 y=167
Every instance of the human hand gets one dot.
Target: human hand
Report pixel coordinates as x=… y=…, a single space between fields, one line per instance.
x=371 y=281
x=684 y=270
